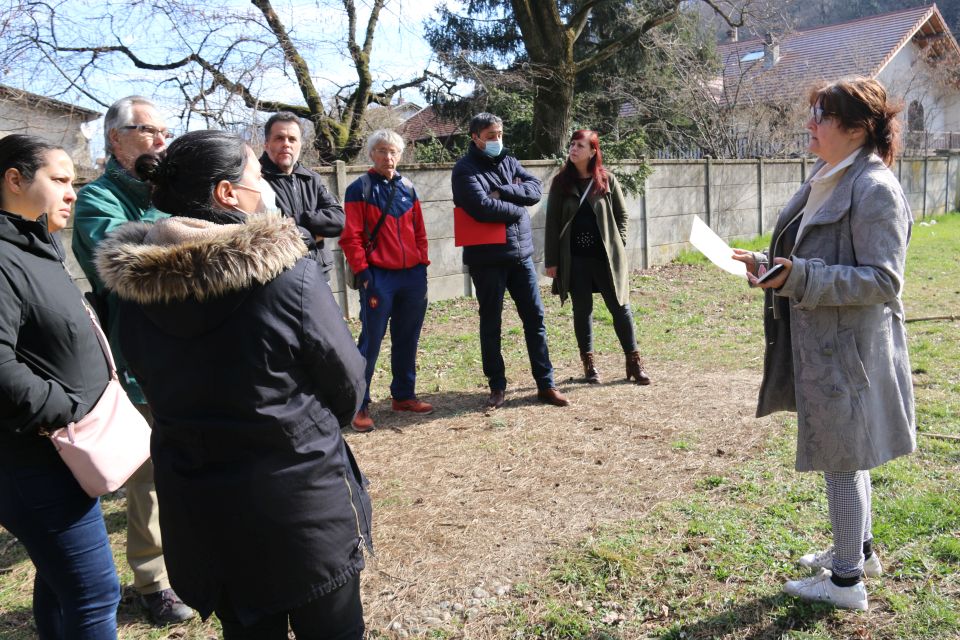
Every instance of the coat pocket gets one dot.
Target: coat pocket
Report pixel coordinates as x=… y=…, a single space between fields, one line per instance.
x=850 y=357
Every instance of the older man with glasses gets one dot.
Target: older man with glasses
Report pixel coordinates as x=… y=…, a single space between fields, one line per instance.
x=132 y=127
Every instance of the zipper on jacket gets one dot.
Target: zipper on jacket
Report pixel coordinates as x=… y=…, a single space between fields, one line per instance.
x=298 y=189
x=356 y=514
x=403 y=250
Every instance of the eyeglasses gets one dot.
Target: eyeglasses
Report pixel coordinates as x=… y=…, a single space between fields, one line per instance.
x=149 y=130
x=818 y=114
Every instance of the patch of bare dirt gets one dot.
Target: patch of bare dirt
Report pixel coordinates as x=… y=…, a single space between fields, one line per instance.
x=466 y=498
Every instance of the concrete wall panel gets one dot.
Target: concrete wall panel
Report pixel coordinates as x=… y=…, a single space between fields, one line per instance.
x=675 y=192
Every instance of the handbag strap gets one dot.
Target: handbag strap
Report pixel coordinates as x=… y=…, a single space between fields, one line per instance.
x=583 y=197
x=102 y=339
x=586 y=192
x=371 y=243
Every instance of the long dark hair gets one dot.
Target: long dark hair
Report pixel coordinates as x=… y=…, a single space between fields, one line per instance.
x=861 y=103
x=24 y=153
x=184 y=176
x=568 y=175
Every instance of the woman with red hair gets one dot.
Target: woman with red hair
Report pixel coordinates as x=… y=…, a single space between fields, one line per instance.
x=585 y=250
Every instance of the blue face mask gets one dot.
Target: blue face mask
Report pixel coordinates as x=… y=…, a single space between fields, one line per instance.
x=493 y=148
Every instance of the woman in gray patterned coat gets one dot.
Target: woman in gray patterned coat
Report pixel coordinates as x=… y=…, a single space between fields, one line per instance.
x=836 y=346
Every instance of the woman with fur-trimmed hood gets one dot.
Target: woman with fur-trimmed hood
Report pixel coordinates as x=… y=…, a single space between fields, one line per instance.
x=250 y=372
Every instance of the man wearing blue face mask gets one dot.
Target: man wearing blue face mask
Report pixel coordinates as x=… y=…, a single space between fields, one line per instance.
x=491 y=186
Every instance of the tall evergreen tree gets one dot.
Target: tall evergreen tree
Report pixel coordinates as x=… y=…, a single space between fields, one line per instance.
x=552 y=44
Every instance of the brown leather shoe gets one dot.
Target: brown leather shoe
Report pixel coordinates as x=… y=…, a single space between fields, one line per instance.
x=496 y=399
x=416 y=405
x=635 y=368
x=590 y=373
x=552 y=396
x=362 y=422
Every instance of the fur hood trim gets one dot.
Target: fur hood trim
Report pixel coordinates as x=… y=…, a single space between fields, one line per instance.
x=159 y=263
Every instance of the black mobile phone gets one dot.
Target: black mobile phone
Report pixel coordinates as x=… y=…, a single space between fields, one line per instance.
x=770 y=273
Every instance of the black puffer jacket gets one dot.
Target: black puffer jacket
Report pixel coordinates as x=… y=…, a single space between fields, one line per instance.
x=474 y=176
x=52 y=369
x=250 y=372
x=303 y=196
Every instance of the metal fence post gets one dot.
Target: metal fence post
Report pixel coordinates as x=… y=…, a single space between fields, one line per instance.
x=645 y=221
x=946 y=186
x=760 y=196
x=340 y=188
x=707 y=192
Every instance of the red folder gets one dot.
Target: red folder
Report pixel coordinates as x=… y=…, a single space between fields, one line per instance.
x=467 y=231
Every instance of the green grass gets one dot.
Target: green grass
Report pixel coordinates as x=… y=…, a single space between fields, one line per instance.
x=715 y=561
x=711 y=565
x=683 y=314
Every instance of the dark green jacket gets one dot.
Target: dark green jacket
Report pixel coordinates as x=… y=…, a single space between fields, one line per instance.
x=105 y=204
x=612 y=218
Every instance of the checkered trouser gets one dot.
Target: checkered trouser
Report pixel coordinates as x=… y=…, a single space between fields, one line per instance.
x=848 y=499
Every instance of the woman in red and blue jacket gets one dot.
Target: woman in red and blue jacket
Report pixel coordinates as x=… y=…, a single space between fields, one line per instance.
x=391 y=269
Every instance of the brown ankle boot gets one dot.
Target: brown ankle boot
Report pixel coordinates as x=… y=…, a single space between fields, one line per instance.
x=590 y=373
x=635 y=368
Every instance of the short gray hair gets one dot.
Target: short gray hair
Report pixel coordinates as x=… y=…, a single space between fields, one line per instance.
x=483 y=120
x=384 y=135
x=120 y=114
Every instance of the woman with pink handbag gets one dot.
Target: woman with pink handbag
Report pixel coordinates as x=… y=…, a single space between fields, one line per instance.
x=52 y=372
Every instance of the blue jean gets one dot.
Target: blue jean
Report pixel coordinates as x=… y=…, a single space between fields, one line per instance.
x=520 y=279
x=76 y=590
x=397 y=297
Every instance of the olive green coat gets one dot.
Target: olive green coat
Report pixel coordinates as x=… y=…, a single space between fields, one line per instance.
x=612 y=219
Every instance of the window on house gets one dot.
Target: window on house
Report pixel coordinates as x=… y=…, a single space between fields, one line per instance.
x=915 y=116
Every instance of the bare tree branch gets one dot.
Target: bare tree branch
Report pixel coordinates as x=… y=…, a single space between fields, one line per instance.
x=216 y=59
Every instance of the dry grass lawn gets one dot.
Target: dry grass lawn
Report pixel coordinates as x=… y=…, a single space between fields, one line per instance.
x=466 y=498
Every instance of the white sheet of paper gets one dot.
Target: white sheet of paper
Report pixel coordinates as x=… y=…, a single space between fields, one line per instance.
x=714 y=248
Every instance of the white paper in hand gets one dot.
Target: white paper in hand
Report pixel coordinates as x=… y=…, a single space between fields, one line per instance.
x=714 y=248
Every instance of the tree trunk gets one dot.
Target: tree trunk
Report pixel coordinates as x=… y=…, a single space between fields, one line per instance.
x=552 y=112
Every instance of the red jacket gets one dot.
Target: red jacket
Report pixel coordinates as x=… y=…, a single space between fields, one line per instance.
x=401 y=242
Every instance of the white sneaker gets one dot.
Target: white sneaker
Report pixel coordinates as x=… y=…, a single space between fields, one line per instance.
x=820 y=588
x=824 y=560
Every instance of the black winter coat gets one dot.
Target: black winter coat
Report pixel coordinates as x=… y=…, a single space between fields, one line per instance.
x=250 y=372
x=474 y=176
x=303 y=196
x=52 y=369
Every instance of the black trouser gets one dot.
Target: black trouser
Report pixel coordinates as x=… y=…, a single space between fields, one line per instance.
x=587 y=275
x=337 y=615
x=490 y=282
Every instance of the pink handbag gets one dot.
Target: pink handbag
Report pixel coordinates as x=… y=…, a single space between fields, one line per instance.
x=107 y=445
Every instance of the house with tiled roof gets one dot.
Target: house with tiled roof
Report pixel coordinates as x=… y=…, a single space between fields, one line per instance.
x=427 y=123
x=911 y=51
x=429 y=126
x=59 y=122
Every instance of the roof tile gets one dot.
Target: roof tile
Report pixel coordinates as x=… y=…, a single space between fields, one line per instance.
x=857 y=47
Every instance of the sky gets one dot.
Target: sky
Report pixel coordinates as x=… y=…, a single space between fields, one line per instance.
x=399 y=52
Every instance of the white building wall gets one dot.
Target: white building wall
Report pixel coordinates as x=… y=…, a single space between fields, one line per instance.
x=58 y=127
x=910 y=78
